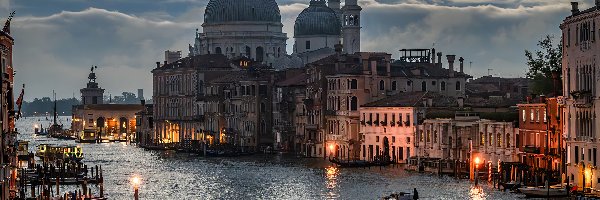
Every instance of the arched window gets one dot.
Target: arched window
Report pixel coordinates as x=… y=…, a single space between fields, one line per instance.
x=435 y=136
x=507 y=140
x=490 y=140
x=443 y=86
x=394 y=86
x=218 y=50
x=381 y=85
x=424 y=86
x=259 y=54
x=482 y=139
x=457 y=85
x=354 y=104
x=248 y=51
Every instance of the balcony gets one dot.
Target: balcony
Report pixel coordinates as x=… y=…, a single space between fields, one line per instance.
x=331 y=137
x=583 y=98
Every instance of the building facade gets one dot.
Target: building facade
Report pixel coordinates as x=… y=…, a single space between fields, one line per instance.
x=580 y=88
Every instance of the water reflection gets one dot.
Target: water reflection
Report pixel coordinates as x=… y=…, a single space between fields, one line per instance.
x=331 y=182
x=476 y=193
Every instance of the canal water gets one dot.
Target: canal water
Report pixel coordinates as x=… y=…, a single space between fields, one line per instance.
x=171 y=175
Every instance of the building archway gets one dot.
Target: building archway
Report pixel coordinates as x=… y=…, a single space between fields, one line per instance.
x=100 y=126
x=218 y=50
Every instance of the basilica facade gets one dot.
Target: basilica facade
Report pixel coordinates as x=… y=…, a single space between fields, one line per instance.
x=253 y=29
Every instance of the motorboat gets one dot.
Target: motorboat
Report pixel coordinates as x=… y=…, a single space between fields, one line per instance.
x=539 y=192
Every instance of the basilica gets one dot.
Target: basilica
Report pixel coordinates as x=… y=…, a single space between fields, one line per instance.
x=253 y=29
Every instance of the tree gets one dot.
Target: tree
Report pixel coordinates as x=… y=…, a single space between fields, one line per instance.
x=543 y=63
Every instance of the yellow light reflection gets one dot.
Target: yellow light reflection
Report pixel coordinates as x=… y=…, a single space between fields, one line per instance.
x=476 y=193
x=331 y=174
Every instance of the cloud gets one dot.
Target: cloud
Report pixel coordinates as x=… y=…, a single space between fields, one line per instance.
x=56 y=52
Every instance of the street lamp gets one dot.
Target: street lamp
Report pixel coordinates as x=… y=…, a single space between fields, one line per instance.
x=476 y=170
x=136 y=181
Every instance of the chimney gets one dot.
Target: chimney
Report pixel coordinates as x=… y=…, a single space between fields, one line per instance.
x=157 y=64
x=575 y=7
x=433 y=55
x=388 y=66
x=165 y=63
x=439 y=55
x=143 y=102
x=451 y=59
x=462 y=64
x=373 y=67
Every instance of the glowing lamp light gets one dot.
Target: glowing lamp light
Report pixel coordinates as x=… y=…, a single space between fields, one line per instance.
x=136 y=181
x=331 y=147
x=477 y=160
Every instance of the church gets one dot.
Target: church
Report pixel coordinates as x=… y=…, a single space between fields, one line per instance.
x=253 y=29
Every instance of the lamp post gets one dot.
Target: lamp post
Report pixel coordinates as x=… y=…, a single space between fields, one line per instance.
x=136 y=181
x=477 y=170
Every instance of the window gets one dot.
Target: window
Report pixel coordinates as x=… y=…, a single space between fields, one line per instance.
x=381 y=85
x=353 y=104
x=364 y=152
x=457 y=85
x=407 y=119
x=393 y=122
x=408 y=140
x=545 y=117
x=531 y=114
x=394 y=86
x=307 y=44
x=499 y=140
x=248 y=51
x=524 y=115
x=354 y=84
x=423 y=86
x=537 y=115
x=594 y=156
x=393 y=138
x=377 y=120
x=507 y=140
x=443 y=86
x=218 y=50
x=435 y=136
x=376 y=138
x=490 y=139
x=433 y=82
x=408 y=83
x=400 y=122
x=482 y=139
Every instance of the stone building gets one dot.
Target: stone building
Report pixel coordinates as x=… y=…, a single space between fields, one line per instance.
x=580 y=87
x=236 y=28
x=144 y=126
x=288 y=109
x=94 y=121
x=540 y=132
x=317 y=30
x=391 y=122
x=365 y=77
x=8 y=158
x=237 y=108
x=177 y=88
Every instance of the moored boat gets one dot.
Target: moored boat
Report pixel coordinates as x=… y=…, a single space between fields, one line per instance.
x=536 y=192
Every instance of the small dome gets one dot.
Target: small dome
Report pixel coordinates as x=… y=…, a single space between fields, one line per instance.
x=317 y=19
x=218 y=11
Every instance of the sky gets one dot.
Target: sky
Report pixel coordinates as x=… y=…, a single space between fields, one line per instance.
x=57 y=41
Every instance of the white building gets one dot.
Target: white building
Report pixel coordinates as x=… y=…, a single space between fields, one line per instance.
x=580 y=89
x=390 y=121
x=316 y=30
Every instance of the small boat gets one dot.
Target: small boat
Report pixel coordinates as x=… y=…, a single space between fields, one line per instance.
x=358 y=163
x=537 y=192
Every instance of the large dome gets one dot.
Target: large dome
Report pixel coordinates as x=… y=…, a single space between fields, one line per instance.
x=219 y=11
x=317 y=19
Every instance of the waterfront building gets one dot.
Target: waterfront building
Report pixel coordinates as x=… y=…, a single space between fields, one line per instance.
x=540 y=132
x=466 y=136
x=288 y=109
x=491 y=91
x=177 y=88
x=8 y=114
x=580 y=88
x=144 y=126
x=95 y=121
x=238 y=108
x=390 y=123
x=365 y=77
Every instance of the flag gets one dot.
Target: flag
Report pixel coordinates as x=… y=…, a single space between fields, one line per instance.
x=20 y=101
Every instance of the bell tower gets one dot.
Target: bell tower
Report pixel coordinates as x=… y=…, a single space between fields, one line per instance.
x=351 y=26
x=92 y=94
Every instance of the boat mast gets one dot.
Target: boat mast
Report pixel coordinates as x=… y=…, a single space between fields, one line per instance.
x=53 y=93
